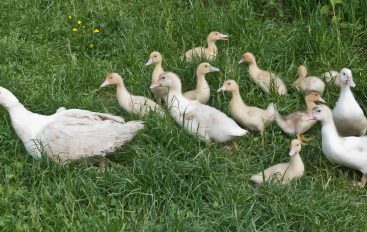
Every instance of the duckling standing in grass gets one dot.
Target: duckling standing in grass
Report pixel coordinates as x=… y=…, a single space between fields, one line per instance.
x=133 y=104
x=293 y=124
x=284 y=172
x=251 y=117
x=263 y=78
x=348 y=115
x=69 y=134
x=156 y=59
x=209 y=53
x=199 y=119
x=306 y=84
x=202 y=91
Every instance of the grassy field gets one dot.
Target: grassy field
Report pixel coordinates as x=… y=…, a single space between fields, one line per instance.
x=167 y=180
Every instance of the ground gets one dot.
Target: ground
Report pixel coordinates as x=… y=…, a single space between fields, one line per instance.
x=166 y=179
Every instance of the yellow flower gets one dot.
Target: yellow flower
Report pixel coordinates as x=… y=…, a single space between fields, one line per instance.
x=75 y=29
x=91 y=45
x=79 y=22
x=70 y=17
x=96 y=30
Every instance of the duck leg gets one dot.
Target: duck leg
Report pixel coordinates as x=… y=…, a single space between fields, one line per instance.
x=304 y=139
x=102 y=165
x=362 y=183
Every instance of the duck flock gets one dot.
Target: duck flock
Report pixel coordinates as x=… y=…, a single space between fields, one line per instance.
x=74 y=134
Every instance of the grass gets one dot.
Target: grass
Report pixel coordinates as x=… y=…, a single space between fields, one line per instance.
x=167 y=180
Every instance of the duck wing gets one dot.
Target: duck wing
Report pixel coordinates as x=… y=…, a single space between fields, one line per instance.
x=76 y=134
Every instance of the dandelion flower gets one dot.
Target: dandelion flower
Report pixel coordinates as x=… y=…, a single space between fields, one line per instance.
x=75 y=29
x=96 y=30
x=79 y=22
x=70 y=17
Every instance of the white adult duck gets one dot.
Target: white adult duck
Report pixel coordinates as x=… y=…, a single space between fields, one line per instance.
x=205 y=121
x=133 y=104
x=68 y=134
x=347 y=151
x=306 y=84
x=284 y=172
x=209 y=53
x=348 y=115
x=156 y=58
x=202 y=91
x=263 y=78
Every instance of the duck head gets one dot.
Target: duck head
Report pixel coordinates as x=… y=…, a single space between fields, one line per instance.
x=247 y=57
x=7 y=99
x=346 y=77
x=154 y=58
x=167 y=79
x=215 y=35
x=320 y=113
x=205 y=68
x=301 y=71
x=295 y=147
x=314 y=96
x=112 y=79
x=228 y=85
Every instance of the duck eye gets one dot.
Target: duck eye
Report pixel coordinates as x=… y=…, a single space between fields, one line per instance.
x=229 y=83
x=111 y=77
x=318 y=111
x=163 y=78
x=343 y=73
x=206 y=66
x=155 y=56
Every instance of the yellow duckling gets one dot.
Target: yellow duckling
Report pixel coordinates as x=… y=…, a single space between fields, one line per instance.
x=202 y=91
x=284 y=172
x=209 y=53
x=293 y=124
x=263 y=78
x=250 y=117
x=306 y=84
x=156 y=59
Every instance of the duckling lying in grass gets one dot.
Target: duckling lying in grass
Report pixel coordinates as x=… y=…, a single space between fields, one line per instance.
x=283 y=172
x=307 y=84
x=209 y=53
x=263 y=78
x=133 y=104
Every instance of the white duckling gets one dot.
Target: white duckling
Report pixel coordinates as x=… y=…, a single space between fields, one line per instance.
x=348 y=115
x=306 y=84
x=251 y=117
x=332 y=77
x=202 y=91
x=205 y=121
x=211 y=51
x=293 y=124
x=346 y=151
x=132 y=104
x=156 y=59
x=284 y=172
x=68 y=134
x=263 y=78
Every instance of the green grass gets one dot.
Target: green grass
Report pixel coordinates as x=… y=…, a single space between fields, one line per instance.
x=167 y=180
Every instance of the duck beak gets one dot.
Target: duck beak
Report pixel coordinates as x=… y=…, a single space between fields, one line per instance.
x=223 y=37
x=322 y=100
x=213 y=69
x=241 y=61
x=155 y=85
x=350 y=82
x=309 y=117
x=105 y=83
x=149 y=62
x=221 y=89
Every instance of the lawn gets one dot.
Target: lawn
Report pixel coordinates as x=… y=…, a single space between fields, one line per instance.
x=166 y=179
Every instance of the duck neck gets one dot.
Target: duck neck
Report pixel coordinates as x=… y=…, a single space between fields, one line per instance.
x=329 y=132
x=253 y=68
x=123 y=96
x=345 y=90
x=201 y=81
x=174 y=93
x=156 y=72
x=310 y=105
x=212 y=47
x=296 y=162
x=236 y=98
